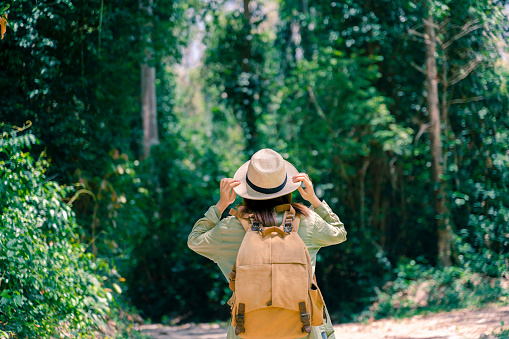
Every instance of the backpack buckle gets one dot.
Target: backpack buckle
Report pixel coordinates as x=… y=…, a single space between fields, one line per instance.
x=305 y=318
x=240 y=324
x=256 y=226
x=239 y=319
x=288 y=225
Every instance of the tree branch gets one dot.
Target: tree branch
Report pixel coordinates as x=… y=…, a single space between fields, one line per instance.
x=442 y=24
x=412 y=31
x=467 y=100
x=315 y=103
x=432 y=24
x=467 y=28
x=417 y=67
x=422 y=129
x=465 y=70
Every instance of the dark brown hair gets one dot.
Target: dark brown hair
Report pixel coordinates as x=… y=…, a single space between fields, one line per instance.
x=264 y=212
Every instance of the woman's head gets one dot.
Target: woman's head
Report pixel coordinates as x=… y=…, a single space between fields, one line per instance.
x=265 y=176
x=268 y=203
x=266 y=182
x=263 y=210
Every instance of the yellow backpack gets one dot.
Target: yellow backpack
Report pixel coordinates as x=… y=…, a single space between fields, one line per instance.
x=274 y=291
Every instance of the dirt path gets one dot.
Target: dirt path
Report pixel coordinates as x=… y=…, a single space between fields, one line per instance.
x=461 y=324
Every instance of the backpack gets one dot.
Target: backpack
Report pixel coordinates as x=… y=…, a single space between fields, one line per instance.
x=274 y=291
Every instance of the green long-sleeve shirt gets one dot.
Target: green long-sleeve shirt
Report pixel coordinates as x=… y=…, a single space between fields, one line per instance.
x=219 y=240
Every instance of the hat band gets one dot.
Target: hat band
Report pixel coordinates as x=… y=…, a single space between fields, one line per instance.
x=266 y=190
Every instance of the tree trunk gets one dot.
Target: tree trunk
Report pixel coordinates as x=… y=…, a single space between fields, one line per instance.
x=362 y=191
x=378 y=174
x=148 y=87
x=442 y=219
x=305 y=7
x=148 y=108
x=445 y=103
x=250 y=118
x=247 y=13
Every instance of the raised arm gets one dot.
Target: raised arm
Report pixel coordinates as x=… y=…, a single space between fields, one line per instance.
x=328 y=229
x=205 y=238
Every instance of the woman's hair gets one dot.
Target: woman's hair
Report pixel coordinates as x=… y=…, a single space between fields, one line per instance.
x=263 y=210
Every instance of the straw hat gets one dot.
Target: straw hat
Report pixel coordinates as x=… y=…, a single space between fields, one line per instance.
x=267 y=175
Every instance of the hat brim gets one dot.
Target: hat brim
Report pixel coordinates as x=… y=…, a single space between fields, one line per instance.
x=245 y=191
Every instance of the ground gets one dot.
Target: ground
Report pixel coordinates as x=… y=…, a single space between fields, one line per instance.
x=460 y=324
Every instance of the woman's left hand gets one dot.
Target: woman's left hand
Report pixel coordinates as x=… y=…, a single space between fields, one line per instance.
x=227 y=194
x=307 y=193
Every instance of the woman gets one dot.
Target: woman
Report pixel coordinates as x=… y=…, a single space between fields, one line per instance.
x=265 y=181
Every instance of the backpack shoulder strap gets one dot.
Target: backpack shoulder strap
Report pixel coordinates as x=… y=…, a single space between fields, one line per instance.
x=232 y=275
x=296 y=223
x=285 y=207
x=245 y=222
x=290 y=217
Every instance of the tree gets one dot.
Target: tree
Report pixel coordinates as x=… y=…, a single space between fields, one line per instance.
x=443 y=34
x=236 y=64
x=148 y=84
x=442 y=217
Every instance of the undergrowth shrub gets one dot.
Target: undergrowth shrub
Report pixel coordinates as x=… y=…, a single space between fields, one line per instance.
x=49 y=285
x=420 y=288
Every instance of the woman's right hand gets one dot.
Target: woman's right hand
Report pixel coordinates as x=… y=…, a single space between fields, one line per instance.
x=227 y=194
x=307 y=193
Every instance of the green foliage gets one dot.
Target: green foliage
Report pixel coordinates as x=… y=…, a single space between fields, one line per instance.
x=476 y=145
x=503 y=333
x=49 y=285
x=72 y=69
x=237 y=67
x=483 y=244
x=336 y=87
x=335 y=127
x=345 y=112
x=419 y=288
x=164 y=274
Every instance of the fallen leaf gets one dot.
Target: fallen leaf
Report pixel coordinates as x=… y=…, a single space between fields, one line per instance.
x=3 y=24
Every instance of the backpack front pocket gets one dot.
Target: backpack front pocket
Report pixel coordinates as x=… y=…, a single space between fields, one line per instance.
x=317 y=305
x=289 y=285
x=253 y=286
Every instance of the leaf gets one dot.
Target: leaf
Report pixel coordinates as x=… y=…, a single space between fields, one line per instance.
x=3 y=24
x=19 y=300
x=117 y=288
x=5 y=294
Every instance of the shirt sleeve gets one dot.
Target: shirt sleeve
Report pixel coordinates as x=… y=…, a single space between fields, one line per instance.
x=205 y=238
x=328 y=229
